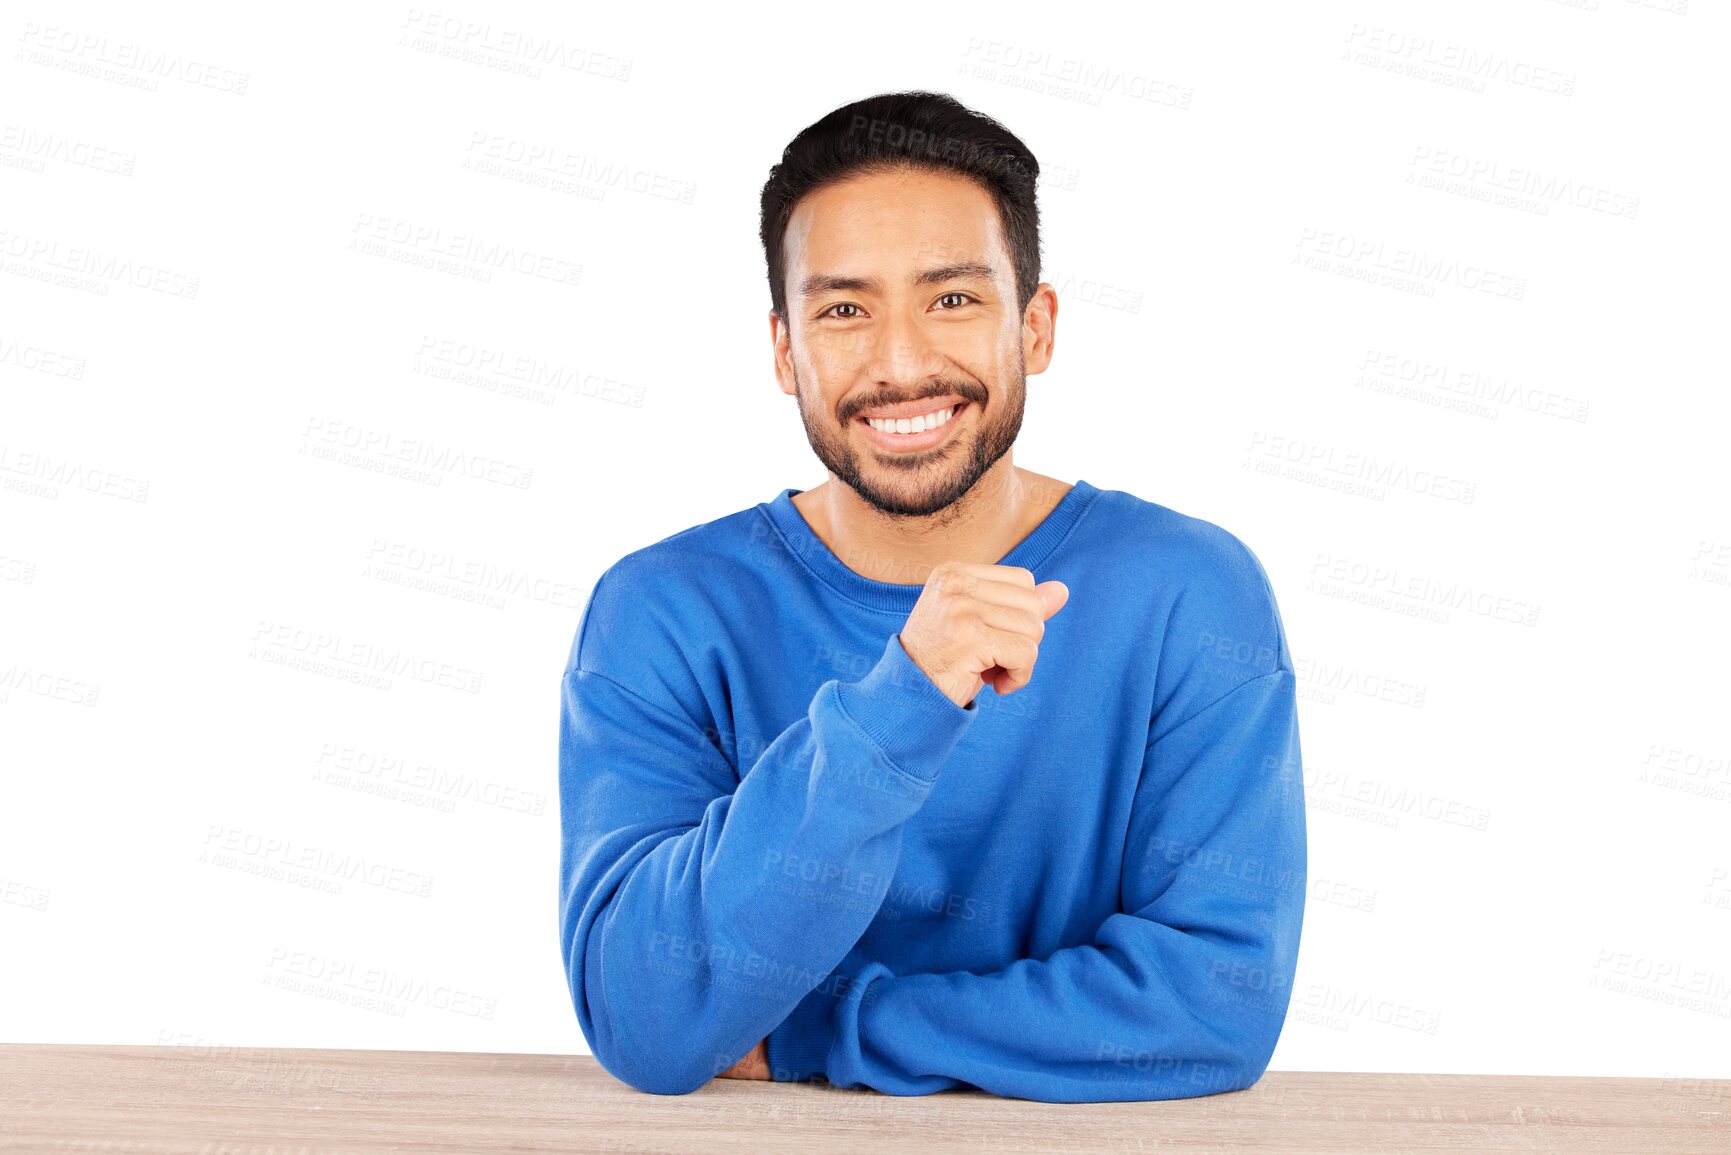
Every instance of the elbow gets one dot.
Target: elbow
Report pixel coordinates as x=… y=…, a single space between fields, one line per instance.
x=654 y=1070
x=663 y=1065
x=1243 y=1029
x=656 y=1067
x=1262 y=989
x=653 y=1078
x=1255 y=1043
x=663 y=1070
x=1252 y=1061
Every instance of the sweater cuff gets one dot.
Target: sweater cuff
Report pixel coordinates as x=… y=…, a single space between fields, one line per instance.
x=902 y=710
x=799 y=1048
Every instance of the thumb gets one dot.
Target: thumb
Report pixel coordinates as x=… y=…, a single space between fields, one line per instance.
x=1055 y=594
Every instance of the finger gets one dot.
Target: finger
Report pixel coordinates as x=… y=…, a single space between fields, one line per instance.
x=1024 y=598
x=1019 y=575
x=1020 y=618
x=967 y=574
x=1015 y=654
x=1055 y=593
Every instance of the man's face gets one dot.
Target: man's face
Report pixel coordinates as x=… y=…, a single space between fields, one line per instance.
x=901 y=296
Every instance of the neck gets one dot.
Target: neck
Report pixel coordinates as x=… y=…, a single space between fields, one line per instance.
x=1002 y=508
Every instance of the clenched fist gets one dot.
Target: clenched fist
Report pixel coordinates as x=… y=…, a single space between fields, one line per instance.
x=977 y=623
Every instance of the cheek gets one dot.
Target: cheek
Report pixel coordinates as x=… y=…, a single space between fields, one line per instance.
x=991 y=355
x=823 y=358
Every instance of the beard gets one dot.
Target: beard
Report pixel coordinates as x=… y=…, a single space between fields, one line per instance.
x=921 y=484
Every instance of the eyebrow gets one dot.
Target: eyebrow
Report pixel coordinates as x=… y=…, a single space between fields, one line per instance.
x=836 y=282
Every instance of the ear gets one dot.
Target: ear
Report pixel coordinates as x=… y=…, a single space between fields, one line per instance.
x=1039 y=329
x=778 y=336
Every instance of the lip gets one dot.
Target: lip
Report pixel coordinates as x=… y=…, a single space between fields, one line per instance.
x=918 y=408
x=913 y=442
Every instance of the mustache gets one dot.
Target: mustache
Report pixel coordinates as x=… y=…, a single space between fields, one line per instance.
x=965 y=389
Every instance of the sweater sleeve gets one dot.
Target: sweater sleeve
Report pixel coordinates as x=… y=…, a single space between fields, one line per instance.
x=699 y=904
x=1182 y=993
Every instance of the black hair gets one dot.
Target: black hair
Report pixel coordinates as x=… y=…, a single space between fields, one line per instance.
x=924 y=130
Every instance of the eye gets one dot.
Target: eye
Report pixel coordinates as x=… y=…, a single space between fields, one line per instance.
x=963 y=296
x=840 y=305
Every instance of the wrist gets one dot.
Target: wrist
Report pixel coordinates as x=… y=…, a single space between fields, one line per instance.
x=798 y=1049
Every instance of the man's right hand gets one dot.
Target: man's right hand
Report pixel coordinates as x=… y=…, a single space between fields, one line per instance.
x=977 y=623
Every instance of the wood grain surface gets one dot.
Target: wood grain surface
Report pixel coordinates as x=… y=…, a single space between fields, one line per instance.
x=245 y=1101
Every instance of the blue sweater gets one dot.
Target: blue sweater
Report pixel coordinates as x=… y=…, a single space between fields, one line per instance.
x=775 y=825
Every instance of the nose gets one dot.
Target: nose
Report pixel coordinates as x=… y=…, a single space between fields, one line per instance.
x=901 y=352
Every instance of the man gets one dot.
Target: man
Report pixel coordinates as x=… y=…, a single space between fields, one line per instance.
x=822 y=816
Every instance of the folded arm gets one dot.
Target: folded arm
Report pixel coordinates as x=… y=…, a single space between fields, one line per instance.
x=1184 y=993
x=699 y=907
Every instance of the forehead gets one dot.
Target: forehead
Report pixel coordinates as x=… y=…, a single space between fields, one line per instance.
x=903 y=218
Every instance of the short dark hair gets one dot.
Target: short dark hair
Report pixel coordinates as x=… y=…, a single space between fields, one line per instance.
x=923 y=130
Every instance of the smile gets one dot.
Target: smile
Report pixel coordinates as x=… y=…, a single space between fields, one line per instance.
x=910 y=433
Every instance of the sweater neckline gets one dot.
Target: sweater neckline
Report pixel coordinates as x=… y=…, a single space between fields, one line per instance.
x=805 y=544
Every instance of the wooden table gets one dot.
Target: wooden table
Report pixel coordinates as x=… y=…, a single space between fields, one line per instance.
x=233 y=1101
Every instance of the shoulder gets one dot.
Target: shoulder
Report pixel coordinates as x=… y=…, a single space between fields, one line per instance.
x=652 y=600
x=1202 y=565
x=1213 y=610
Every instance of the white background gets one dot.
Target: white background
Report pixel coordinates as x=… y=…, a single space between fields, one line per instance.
x=1425 y=302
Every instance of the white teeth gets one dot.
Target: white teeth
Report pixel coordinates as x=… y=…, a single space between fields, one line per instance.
x=912 y=424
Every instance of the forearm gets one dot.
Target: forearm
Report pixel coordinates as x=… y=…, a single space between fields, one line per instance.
x=686 y=945
x=1183 y=992
x=1148 y=1013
